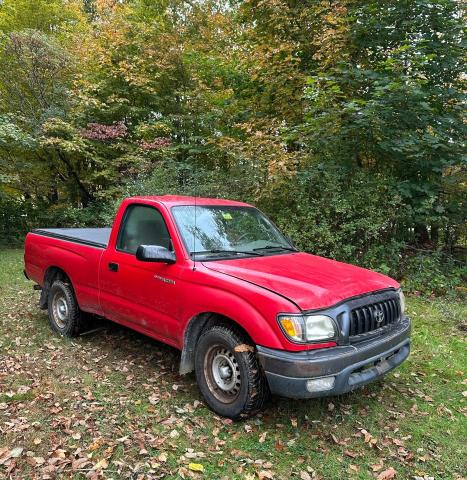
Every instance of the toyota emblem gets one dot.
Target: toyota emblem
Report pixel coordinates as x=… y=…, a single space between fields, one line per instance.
x=379 y=316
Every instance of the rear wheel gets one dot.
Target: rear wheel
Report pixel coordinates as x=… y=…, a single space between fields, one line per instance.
x=228 y=374
x=65 y=316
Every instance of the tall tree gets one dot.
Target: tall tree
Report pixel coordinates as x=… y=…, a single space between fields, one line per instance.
x=395 y=103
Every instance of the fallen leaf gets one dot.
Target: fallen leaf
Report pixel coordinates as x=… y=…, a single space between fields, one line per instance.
x=196 y=467
x=79 y=463
x=335 y=439
x=16 y=452
x=377 y=466
x=101 y=464
x=387 y=474
x=244 y=348
x=279 y=446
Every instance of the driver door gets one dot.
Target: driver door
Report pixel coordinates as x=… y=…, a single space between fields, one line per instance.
x=135 y=293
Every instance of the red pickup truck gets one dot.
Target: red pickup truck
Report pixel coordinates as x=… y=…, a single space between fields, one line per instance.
x=216 y=279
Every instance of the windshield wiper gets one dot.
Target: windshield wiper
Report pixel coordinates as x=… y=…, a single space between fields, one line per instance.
x=276 y=247
x=236 y=252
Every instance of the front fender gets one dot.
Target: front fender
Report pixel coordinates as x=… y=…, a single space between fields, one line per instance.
x=252 y=308
x=227 y=306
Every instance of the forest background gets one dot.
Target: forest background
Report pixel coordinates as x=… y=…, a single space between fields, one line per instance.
x=342 y=120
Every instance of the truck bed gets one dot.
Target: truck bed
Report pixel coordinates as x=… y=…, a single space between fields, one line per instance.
x=95 y=237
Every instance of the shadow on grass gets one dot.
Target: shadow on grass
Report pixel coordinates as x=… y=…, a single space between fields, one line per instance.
x=156 y=359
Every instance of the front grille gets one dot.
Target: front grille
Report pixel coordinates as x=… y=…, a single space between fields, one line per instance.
x=367 y=318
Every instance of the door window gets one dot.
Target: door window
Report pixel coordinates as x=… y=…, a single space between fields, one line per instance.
x=142 y=225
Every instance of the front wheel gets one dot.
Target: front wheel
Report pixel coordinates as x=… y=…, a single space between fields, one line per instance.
x=228 y=374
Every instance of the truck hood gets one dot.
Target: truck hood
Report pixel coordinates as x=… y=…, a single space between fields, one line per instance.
x=309 y=281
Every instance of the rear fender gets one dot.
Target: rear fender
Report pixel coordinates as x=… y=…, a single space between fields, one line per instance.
x=79 y=263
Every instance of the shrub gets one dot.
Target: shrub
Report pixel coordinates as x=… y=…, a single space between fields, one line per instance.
x=434 y=273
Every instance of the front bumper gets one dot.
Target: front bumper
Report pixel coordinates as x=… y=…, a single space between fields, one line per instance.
x=351 y=366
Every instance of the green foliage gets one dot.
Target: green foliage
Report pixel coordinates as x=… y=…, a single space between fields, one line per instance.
x=344 y=121
x=48 y=16
x=432 y=273
x=13 y=137
x=397 y=103
x=340 y=213
x=327 y=210
x=12 y=221
x=34 y=72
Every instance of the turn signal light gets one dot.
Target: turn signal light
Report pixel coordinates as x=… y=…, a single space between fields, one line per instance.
x=293 y=327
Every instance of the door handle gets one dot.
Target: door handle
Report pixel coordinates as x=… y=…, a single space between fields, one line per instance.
x=113 y=267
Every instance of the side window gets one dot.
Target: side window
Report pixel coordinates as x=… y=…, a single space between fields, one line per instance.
x=142 y=225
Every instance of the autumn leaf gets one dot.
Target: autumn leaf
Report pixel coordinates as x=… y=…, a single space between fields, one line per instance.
x=196 y=467
x=265 y=474
x=16 y=452
x=387 y=474
x=377 y=466
x=244 y=348
x=101 y=464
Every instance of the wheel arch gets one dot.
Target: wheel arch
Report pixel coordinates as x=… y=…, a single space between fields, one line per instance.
x=51 y=274
x=193 y=331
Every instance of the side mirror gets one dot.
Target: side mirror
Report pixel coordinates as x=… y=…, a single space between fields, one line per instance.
x=155 y=253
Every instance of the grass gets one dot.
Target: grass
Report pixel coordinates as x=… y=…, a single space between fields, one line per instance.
x=110 y=404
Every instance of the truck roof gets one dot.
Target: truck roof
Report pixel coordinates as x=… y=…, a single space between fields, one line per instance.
x=172 y=200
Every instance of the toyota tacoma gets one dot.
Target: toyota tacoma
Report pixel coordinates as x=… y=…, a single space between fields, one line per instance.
x=217 y=280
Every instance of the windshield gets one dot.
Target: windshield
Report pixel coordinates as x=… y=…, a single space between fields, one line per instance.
x=228 y=231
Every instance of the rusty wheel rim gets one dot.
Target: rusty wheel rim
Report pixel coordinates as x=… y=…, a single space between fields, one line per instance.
x=222 y=373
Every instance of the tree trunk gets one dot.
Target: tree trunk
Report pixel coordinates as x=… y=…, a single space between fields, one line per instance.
x=86 y=196
x=434 y=234
x=422 y=237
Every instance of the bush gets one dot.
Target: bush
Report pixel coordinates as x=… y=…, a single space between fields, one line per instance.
x=353 y=216
x=333 y=211
x=343 y=214
x=434 y=273
x=13 y=221
x=17 y=217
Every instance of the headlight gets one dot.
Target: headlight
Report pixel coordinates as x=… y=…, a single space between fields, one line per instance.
x=319 y=327
x=307 y=328
x=402 y=300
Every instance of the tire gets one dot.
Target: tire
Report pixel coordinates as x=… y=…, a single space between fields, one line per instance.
x=65 y=316
x=229 y=376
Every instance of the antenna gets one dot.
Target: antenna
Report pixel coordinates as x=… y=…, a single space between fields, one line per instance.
x=194 y=230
